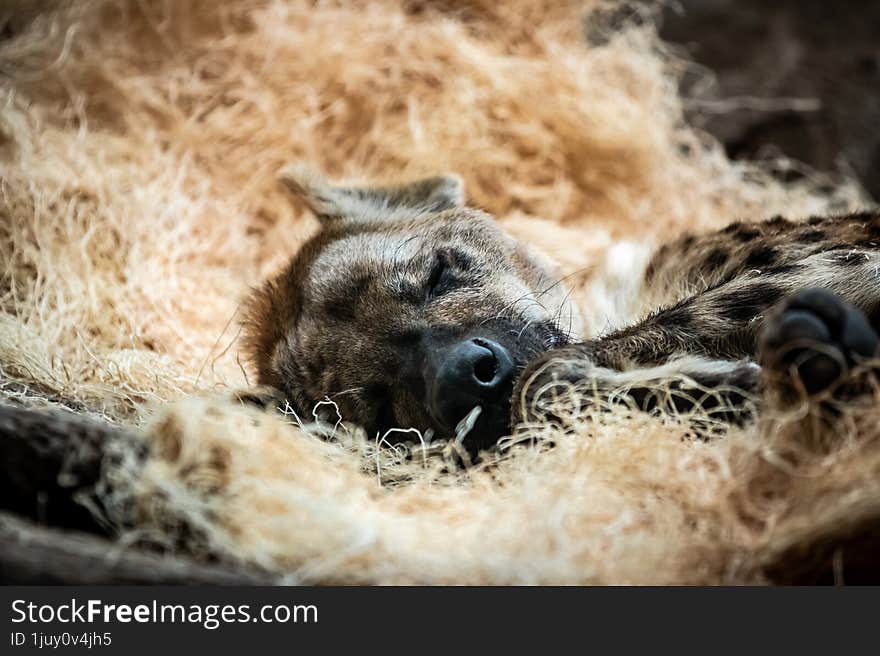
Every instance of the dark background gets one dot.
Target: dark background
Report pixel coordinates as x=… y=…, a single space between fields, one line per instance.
x=825 y=50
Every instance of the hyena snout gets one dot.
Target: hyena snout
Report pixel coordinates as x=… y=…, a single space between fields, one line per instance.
x=473 y=372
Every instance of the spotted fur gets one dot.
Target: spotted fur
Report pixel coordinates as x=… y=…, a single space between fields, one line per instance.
x=709 y=302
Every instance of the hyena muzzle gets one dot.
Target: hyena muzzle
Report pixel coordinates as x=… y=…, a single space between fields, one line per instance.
x=408 y=309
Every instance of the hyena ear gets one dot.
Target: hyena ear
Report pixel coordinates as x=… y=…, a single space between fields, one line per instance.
x=332 y=202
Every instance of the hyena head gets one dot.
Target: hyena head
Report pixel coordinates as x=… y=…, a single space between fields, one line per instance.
x=406 y=309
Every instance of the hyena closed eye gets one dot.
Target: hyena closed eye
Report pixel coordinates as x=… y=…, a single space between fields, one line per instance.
x=408 y=310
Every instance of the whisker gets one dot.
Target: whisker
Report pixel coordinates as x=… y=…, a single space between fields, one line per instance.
x=353 y=390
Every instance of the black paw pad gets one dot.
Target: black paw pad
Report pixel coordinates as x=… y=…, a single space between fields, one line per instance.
x=817 y=336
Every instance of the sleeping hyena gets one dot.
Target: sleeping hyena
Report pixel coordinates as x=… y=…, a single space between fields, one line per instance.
x=408 y=309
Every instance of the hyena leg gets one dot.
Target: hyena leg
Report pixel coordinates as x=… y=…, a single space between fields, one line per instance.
x=808 y=343
x=724 y=322
x=720 y=391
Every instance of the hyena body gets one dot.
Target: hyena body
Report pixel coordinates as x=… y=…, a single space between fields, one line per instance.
x=408 y=310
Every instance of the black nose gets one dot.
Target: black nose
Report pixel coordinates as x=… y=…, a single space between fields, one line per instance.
x=473 y=372
x=478 y=367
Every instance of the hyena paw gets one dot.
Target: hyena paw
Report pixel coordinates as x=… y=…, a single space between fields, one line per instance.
x=260 y=396
x=812 y=339
x=547 y=381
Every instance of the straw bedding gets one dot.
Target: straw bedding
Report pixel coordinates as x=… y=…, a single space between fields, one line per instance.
x=139 y=149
